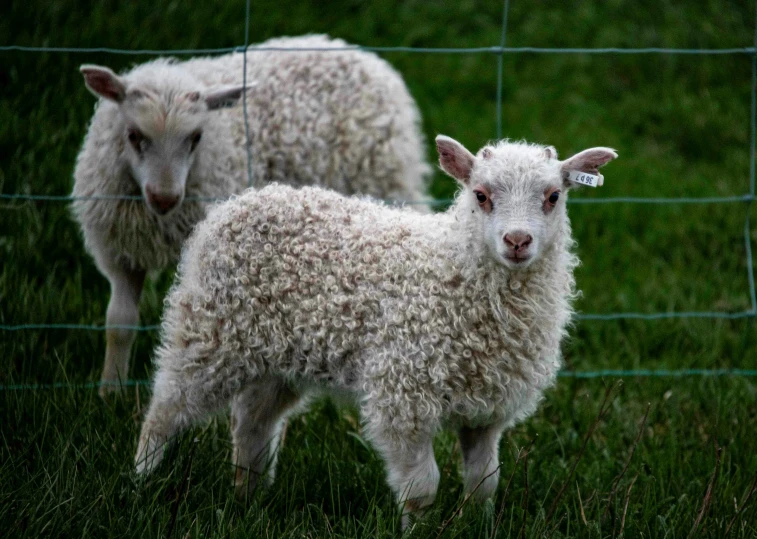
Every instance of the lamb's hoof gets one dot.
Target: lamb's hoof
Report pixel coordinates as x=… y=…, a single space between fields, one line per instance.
x=149 y=454
x=408 y=522
x=412 y=512
x=245 y=484
x=110 y=388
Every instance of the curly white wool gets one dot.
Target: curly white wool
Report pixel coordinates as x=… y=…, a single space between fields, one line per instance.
x=342 y=119
x=422 y=318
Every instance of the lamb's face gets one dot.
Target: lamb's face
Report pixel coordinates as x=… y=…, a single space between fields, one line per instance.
x=162 y=128
x=518 y=202
x=516 y=194
x=160 y=145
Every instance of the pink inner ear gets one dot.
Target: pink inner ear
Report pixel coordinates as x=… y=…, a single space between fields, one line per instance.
x=454 y=158
x=224 y=97
x=590 y=160
x=105 y=84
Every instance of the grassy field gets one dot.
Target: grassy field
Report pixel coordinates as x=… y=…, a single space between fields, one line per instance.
x=681 y=126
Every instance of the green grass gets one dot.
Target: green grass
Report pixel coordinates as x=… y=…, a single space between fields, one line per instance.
x=681 y=126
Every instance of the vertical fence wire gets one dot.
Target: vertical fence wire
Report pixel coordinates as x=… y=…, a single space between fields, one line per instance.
x=752 y=137
x=500 y=61
x=244 y=92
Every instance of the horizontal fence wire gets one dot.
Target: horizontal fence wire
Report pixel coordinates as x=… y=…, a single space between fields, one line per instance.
x=587 y=374
x=579 y=317
x=667 y=315
x=83 y=327
x=423 y=50
x=746 y=198
x=656 y=373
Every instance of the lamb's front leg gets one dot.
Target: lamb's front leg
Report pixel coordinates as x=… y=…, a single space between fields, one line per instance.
x=180 y=399
x=123 y=310
x=480 y=448
x=412 y=472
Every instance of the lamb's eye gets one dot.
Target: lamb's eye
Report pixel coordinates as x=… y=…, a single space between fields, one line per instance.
x=482 y=198
x=554 y=197
x=134 y=136
x=194 y=140
x=138 y=141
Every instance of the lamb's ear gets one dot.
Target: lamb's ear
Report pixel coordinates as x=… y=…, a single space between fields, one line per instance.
x=588 y=161
x=102 y=82
x=225 y=97
x=454 y=159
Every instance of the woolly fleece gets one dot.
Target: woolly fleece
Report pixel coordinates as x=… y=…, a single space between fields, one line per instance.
x=407 y=311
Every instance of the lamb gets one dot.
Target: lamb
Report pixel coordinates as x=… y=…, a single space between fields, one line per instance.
x=169 y=132
x=428 y=321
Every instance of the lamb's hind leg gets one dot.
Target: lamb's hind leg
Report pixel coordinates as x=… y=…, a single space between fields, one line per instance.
x=257 y=419
x=179 y=400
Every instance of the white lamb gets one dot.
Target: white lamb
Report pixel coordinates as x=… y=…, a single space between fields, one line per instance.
x=170 y=132
x=452 y=319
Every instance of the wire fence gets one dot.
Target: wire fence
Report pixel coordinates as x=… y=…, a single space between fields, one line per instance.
x=499 y=50
x=602 y=373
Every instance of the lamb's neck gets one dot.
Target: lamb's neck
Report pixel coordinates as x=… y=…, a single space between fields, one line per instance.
x=540 y=297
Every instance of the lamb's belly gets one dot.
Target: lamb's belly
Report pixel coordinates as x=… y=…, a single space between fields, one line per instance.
x=508 y=404
x=317 y=371
x=341 y=396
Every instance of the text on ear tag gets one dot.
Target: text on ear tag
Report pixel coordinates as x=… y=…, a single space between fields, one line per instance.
x=584 y=178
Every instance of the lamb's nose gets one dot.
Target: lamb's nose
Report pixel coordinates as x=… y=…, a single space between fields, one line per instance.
x=518 y=240
x=162 y=203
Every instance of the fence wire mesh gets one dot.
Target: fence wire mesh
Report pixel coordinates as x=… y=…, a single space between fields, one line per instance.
x=499 y=51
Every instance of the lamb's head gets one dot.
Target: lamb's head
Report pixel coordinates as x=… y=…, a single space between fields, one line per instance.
x=514 y=194
x=161 y=131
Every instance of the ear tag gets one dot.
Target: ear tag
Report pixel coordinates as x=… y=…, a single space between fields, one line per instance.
x=584 y=178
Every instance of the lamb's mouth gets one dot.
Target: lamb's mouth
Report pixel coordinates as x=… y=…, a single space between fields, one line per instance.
x=517 y=259
x=514 y=260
